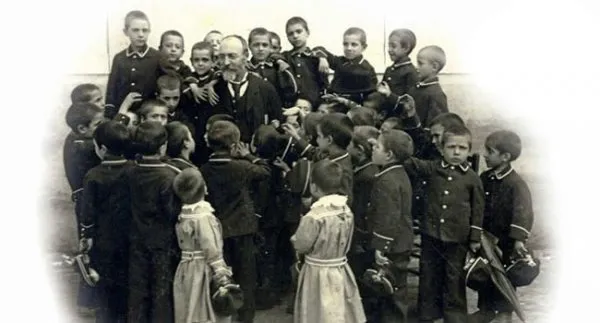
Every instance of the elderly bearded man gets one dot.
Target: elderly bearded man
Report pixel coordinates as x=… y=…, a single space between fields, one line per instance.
x=251 y=100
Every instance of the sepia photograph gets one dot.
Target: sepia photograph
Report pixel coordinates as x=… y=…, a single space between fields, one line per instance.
x=313 y=161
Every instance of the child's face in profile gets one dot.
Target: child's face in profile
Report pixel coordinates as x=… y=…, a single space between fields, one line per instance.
x=202 y=61
x=297 y=35
x=425 y=65
x=437 y=131
x=214 y=39
x=170 y=98
x=260 y=47
x=88 y=131
x=322 y=141
x=395 y=48
x=137 y=32
x=158 y=114
x=353 y=46
x=456 y=149
x=191 y=143
x=275 y=45
x=493 y=157
x=380 y=154
x=356 y=152
x=96 y=98
x=172 y=47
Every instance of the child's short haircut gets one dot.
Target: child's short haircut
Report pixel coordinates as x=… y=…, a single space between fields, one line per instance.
x=212 y=32
x=395 y=122
x=245 y=49
x=359 y=32
x=177 y=133
x=169 y=33
x=259 y=31
x=296 y=20
x=361 y=137
x=219 y=117
x=168 y=82
x=457 y=130
x=81 y=114
x=505 y=142
x=148 y=105
x=148 y=137
x=339 y=127
x=310 y=122
x=362 y=116
x=273 y=35
x=407 y=38
x=222 y=135
x=374 y=101
x=399 y=143
x=327 y=176
x=204 y=45
x=269 y=142
x=436 y=55
x=135 y=14
x=446 y=120
x=82 y=92
x=189 y=186
x=114 y=135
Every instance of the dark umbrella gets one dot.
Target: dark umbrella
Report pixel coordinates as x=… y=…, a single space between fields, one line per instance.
x=490 y=251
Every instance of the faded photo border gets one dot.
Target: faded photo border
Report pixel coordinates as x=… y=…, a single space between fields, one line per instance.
x=536 y=60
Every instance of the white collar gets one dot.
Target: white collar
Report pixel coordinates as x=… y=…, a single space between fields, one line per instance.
x=359 y=168
x=387 y=170
x=340 y=157
x=330 y=200
x=464 y=166
x=197 y=208
x=503 y=173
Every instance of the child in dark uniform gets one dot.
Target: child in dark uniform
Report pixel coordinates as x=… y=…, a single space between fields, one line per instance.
x=134 y=69
x=78 y=158
x=452 y=223
x=275 y=42
x=401 y=76
x=154 y=110
x=228 y=173
x=508 y=215
x=153 y=253
x=390 y=221
x=354 y=77
x=430 y=99
x=87 y=93
x=171 y=48
x=106 y=214
x=180 y=145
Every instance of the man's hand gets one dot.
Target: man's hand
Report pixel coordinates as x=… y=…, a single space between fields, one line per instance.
x=380 y=259
x=384 y=89
x=213 y=97
x=200 y=93
x=281 y=164
x=520 y=248
x=129 y=100
x=291 y=131
x=475 y=246
x=323 y=65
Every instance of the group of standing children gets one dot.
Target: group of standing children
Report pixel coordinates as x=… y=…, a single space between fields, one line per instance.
x=220 y=179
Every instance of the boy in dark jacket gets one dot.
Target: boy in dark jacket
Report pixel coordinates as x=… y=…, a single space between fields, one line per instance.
x=229 y=172
x=153 y=245
x=389 y=219
x=106 y=214
x=508 y=214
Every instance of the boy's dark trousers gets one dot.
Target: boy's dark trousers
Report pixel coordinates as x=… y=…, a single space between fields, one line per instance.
x=442 y=291
x=240 y=253
x=267 y=266
x=151 y=272
x=112 y=286
x=395 y=307
x=86 y=295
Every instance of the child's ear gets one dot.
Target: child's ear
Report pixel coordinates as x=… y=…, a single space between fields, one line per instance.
x=390 y=155
x=505 y=157
x=82 y=129
x=330 y=138
x=163 y=149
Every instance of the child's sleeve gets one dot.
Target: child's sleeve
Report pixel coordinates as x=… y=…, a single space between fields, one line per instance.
x=256 y=169
x=477 y=206
x=380 y=215
x=333 y=61
x=112 y=89
x=210 y=234
x=416 y=167
x=307 y=150
x=522 y=217
x=273 y=104
x=168 y=201
x=306 y=235
x=89 y=212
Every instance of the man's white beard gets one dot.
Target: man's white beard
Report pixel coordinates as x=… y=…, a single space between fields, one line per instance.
x=229 y=76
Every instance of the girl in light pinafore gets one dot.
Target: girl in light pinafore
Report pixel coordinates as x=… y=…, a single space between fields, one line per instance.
x=327 y=290
x=199 y=237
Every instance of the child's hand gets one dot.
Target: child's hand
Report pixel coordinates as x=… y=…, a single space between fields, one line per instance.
x=408 y=103
x=282 y=65
x=243 y=149
x=323 y=65
x=333 y=98
x=200 y=93
x=475 y=246
x=281 y=164
x=129 y=100
x=384 y=89
x=520 y=248
x=291 y=131
x=380 y=259
x=213 y=97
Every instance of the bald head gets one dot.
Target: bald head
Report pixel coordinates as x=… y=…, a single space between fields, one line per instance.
x=232 y=57
x=235 y=43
